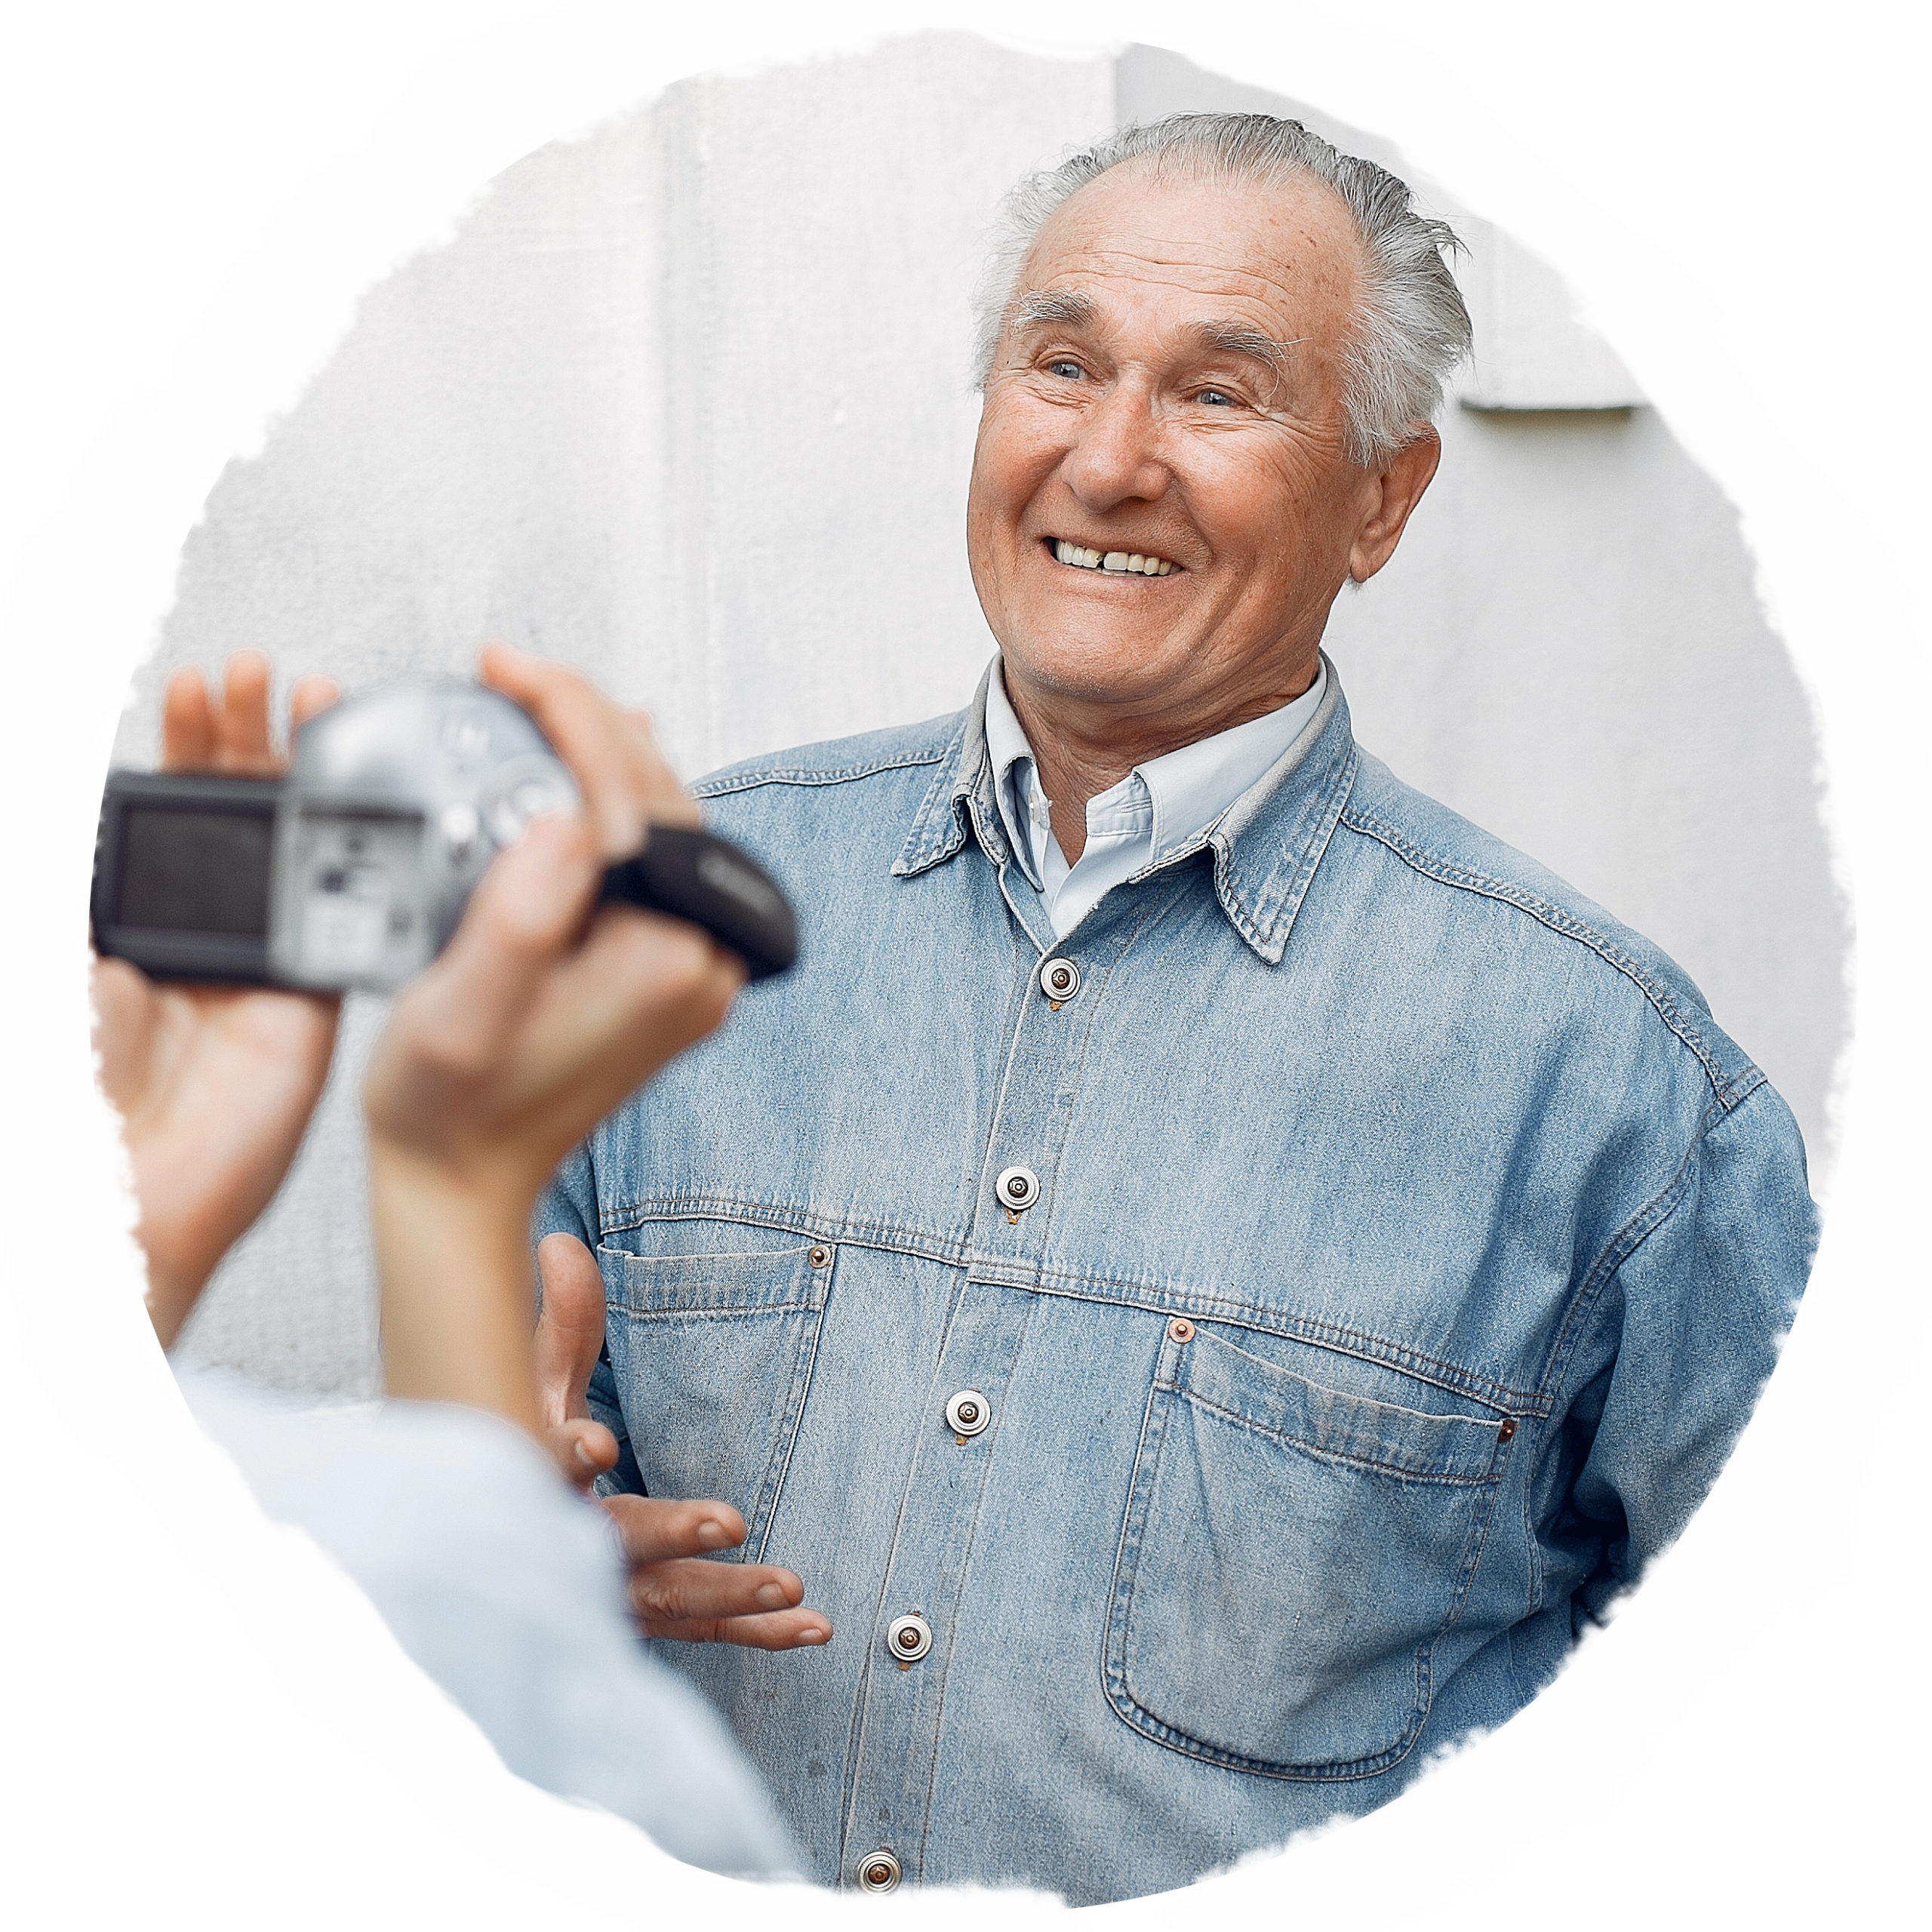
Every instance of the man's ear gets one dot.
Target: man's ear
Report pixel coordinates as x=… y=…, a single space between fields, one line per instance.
x=1394 y=491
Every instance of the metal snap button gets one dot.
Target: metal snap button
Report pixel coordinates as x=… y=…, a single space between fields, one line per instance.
x=1180 y=1329
x=878 y=1871
x=967 y=1413
x=1018 y=1188
x=818 y=1256
x=1059 y=979
x=909 y=1638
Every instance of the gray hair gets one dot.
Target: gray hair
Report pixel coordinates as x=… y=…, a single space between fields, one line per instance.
x=1412 y=329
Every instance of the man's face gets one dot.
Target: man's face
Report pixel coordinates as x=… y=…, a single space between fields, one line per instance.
x=1170 y=387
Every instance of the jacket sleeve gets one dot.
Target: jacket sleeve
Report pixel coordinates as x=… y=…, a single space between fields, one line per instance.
x=1684 y=1331
x=568 y=1206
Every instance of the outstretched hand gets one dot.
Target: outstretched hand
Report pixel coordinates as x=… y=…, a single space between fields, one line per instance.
x=674 y=1592
x=214 y=1084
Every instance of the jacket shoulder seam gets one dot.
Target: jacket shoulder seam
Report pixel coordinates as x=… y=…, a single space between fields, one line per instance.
x=1728 y=1092
x=726 y=783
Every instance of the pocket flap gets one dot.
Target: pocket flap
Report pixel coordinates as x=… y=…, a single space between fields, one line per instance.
x=1418 y=1443
x=645 y=1285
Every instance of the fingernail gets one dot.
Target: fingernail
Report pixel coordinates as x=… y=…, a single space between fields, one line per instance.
x=583 y=1454
x=711 y=1533
x=772 y=1596
x=817 y=1634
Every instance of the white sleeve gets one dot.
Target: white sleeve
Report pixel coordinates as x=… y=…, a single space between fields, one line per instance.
x=505 y=1586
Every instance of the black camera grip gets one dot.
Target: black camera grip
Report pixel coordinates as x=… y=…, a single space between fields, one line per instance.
x=696 y=876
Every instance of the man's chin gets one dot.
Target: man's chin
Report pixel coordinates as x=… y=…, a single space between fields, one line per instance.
x=1108 y=670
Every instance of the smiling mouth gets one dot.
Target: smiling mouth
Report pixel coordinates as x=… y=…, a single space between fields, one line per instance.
x=1110 y=563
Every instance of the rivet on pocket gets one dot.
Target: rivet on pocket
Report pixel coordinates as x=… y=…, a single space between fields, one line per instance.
x=1507 y=1429
x=1180 y=1329
x=818 y=1256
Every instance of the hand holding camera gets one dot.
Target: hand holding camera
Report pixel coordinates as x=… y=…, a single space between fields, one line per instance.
x=215 y=1084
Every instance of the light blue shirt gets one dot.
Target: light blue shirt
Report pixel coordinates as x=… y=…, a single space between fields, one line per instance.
x=1144 y=820
x=506 y=1589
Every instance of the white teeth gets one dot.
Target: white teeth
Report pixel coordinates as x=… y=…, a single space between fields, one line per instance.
x=1120 y=562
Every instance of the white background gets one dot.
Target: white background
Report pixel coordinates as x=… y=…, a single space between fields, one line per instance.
x=201 y=1724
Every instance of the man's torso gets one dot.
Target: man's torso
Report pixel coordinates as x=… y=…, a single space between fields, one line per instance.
x=1277 y=1364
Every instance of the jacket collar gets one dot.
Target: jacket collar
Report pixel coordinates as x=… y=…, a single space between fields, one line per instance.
x=1266 y=845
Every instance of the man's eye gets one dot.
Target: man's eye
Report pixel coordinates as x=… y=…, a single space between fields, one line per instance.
x=1062 y=366
x=1215 y=398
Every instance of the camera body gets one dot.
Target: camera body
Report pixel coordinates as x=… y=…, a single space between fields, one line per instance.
x=353 y=869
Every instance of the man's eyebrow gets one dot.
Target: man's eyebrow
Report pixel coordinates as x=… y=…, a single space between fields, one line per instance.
x=1064 y=306
x=1231 y=338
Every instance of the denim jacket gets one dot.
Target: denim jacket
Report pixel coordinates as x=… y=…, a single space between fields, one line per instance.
x=1398 y=1249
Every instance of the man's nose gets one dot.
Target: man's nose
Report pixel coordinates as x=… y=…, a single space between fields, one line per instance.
x=1115 y=456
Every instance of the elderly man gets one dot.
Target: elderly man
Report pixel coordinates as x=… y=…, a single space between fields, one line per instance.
x=1215 y=1268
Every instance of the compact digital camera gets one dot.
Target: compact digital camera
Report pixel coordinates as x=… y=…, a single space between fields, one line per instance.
x=354 y=868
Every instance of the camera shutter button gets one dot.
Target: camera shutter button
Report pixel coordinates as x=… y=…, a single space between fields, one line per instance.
x=460 y=826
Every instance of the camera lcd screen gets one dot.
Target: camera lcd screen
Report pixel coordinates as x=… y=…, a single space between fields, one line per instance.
x=196 y=871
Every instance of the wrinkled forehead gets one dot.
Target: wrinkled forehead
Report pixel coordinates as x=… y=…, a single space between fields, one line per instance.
x=1285 y=251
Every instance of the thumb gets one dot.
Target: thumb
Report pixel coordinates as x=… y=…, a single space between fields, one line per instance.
x=570 y=1330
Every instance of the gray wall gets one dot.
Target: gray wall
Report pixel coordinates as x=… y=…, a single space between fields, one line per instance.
x=685 y=402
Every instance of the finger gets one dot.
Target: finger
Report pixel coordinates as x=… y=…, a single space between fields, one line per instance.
x=686 y=1588
x=642 y=989
x=581 y=1449
x=624 y=779
x=781 y=1630
x=657 y=1527
x=187 y=722
x=460 y=1015
x=125 y=1017
x=311 y=695
x=569 y=1328
x=243 y=744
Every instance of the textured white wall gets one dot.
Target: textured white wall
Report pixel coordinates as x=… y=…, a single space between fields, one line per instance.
x=686 y=403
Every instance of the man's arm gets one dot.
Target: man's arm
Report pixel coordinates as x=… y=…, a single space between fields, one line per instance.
x=1686 y=1332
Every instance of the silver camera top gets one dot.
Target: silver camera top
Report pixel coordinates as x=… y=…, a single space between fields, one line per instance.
x=395 y=802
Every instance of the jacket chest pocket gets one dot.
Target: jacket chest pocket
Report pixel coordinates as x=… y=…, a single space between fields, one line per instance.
x=1291 y=1555
x=712 y=1356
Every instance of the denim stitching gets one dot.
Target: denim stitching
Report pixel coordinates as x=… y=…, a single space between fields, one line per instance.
x=1617 y=1250
x=802 y=1390
x=893 y=1238
x=1314 y=849
x=1570 y=927
x=724 y=785
x=1119 y=1695
x=960 y=1595
x=1301 y=1443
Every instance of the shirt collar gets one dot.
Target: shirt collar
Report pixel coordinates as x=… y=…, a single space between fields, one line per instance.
x=1187 y=789
x=1267 y=842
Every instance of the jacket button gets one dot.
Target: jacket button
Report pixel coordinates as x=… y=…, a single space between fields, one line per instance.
x=1018 y=1188
x=1059 y=979
x=878 y=1871
x=967 y=1413
x=909 y=1638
